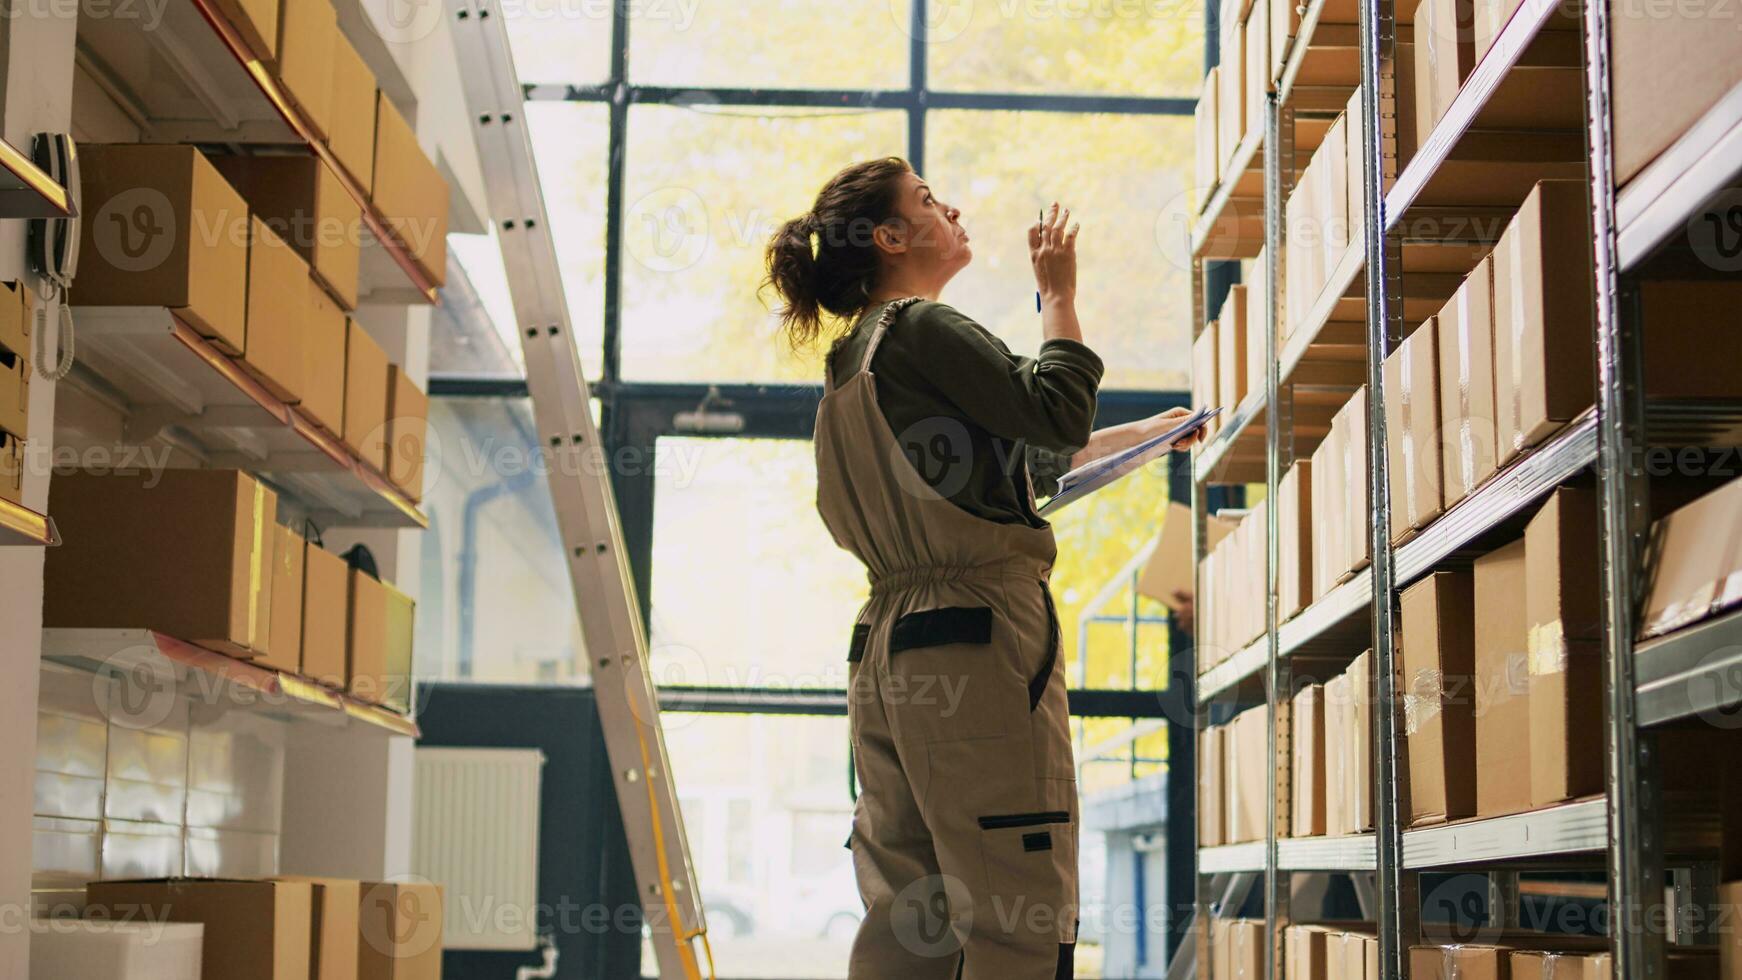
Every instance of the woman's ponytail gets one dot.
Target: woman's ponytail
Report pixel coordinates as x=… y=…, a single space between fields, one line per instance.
x=825 y=261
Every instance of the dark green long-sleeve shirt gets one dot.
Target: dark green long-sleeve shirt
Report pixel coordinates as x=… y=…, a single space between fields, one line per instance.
x=976 y=420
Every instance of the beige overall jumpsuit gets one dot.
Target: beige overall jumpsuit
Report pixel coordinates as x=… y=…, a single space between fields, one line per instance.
x=965 y=834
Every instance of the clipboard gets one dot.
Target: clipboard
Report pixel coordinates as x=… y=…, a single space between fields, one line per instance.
x=1092 y=476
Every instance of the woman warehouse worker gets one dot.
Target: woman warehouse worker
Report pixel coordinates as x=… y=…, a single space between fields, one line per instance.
x=928 y=436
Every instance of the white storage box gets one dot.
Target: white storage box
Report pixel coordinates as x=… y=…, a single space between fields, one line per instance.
x=96 y=949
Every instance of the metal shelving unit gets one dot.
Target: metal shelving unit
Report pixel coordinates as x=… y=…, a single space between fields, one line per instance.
x=169 y=381
x=1690 y=674
x=217 y=92
x=156 y=665
x=26 y=191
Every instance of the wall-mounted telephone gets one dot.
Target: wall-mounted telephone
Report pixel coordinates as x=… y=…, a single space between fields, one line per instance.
x=53 y=249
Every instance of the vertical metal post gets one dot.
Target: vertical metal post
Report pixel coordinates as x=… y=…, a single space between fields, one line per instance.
x=1277 y=684
x=1182 y=760
x=615 y=176
x=1398 y=908
x=1201 y=905
x=1635 y=806
x=916 y=84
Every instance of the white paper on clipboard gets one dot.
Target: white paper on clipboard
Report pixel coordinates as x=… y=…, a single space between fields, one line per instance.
x=1089 y=477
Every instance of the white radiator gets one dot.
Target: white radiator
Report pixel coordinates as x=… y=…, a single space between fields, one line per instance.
x=475 y=832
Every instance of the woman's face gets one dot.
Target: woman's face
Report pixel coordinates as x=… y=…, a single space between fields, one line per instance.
x=934 y=238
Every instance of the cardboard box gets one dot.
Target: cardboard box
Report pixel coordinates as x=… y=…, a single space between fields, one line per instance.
x=254 y=929
x=277 y=314
x=399 y=623
x=1338 y=756
x=1543 y=334
x=1294 y=514
x=325 y=616
x=87 y=949
x=1412 y=431
x=1245 y=950
x=1308 y=818
x=1331 y=193
x=1684 y=321
x=214 y=526
x=366 y=380
x=1695 y=570
x=351 y=136
x=334 y=941
x=401 y=925
x=1465 y=338
x=323 y=361
x=1445 y=54
x=1170 y=567
x=1668 y=71
x=1253 y=312
x=305 y=206
x=16 y=313
x=407 y=429
x=1439 y=723
x=1564 y=615
x=1231 y=350
x=1231 y=100
x=410 y=191
x=1464 y=961
x=1256 y=61
x=11 y=468
x=1352 y=156
x=161 y=227
x=1540 y=965
x=1303 y=952
x=1502 y=688
x=1212 y=829
x=1205 y=371
x=256 y=22
x=366 y=637
x=1358 y=737
x=306 y=29
x=1207 y=159
x=1248 y=760
x=284 y=651
x=15 y=393
x=1339 y=497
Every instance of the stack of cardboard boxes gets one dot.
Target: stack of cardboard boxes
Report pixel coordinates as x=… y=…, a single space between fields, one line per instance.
x=1321 y=216
x=1235 y=761
x=321 y=73
x=15 y=321
x=191 y=242
x=1255 y=40
x=1501 y=658
x=1338 y=474
x=1233 y=577
x=292 y=928
x=1695 y=571
x=1332 y=775
x=1330 y=952
x=197 y=555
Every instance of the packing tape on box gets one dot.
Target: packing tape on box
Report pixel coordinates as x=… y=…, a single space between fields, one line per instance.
x=1546 y=648
x=1449 y=967
x=1422 y=698
x=1466 y=434
x=256 y=560
x=1515 y=257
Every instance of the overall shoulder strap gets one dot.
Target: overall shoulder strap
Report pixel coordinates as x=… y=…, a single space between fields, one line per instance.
x=890 y=312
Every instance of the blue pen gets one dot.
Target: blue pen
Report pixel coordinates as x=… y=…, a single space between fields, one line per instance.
x=1037 y=292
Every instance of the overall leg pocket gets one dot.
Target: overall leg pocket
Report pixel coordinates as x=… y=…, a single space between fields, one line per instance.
x=1031 y=866
x=948 y=677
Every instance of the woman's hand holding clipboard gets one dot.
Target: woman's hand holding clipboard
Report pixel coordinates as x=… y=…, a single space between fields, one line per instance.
x=1092 y=476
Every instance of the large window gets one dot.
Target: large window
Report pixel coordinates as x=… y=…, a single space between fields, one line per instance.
x=672 y=139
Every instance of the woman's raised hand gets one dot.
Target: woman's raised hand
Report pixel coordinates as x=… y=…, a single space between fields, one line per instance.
x=1052 y=247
